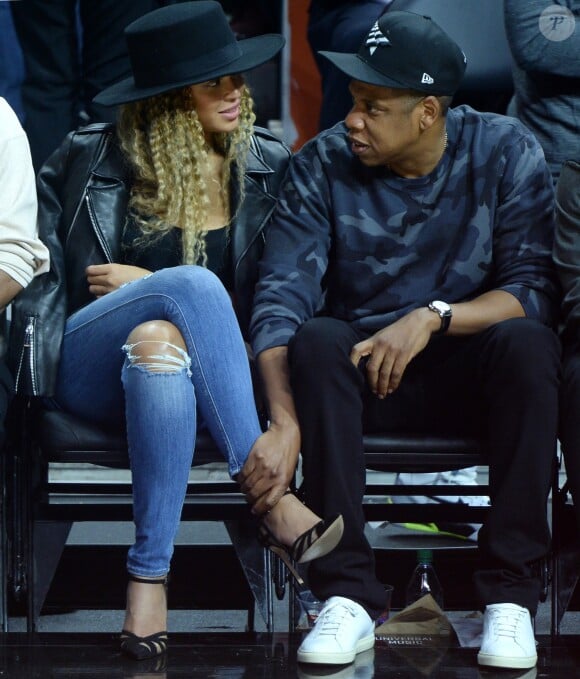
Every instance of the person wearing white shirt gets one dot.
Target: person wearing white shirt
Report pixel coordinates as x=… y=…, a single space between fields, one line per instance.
x=22 y=255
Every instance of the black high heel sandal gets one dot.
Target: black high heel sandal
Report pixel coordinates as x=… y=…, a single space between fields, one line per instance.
x=144 y=648
x=314 y=543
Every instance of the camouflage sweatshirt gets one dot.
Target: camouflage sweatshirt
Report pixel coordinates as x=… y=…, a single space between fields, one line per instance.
x=367 y=246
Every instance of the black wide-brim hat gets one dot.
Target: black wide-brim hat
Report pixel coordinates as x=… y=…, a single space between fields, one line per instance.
x=181 y=45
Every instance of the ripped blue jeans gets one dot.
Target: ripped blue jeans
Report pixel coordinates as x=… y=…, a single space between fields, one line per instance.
x=162 y=405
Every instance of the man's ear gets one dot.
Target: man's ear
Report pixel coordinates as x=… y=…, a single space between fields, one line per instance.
x=430 y=112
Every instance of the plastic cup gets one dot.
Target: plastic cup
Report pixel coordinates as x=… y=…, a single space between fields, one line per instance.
x=310 y=605
x=387 y=610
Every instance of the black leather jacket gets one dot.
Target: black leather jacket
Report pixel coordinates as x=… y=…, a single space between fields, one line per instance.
x=82 y=196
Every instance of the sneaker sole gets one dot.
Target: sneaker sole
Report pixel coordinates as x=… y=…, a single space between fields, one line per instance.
x=319 y=658
x=326 y=542
x=507 y=662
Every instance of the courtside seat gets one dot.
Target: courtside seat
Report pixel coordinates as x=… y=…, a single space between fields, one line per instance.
x=46 y=506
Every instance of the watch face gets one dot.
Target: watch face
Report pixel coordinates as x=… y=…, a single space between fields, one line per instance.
x=442 y=308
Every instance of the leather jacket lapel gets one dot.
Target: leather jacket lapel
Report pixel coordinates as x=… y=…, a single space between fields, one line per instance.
x=107 y=195
x=258 y=204
x=248 y=230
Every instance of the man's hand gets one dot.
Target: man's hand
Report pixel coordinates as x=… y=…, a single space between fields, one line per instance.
x=104 y=278
x=392 y=349
x=270 y=467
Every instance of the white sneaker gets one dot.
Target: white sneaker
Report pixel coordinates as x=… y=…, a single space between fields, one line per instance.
x=508 y=638
x=343 y=629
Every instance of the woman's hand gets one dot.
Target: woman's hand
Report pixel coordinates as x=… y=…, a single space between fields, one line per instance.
x=104 y=278
x=270 y=467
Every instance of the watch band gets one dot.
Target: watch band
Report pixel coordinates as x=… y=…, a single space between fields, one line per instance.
x=445 y=322
x=443 y=310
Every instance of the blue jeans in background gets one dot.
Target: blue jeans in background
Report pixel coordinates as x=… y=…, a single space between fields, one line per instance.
x=162 y=410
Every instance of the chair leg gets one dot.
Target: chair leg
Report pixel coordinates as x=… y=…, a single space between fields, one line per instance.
x=554 y=613
x=279 y=577
x=47 y=541
x=255 y=563
x=3 y=546
x=566 y=557
x=251 y=621
x=566 y=576
x=294 y=608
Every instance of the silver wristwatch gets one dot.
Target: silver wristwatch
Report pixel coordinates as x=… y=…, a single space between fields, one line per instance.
x=444 y=311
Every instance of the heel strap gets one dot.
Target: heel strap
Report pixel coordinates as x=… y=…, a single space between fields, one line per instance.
x=149 y=581
x=306 y=540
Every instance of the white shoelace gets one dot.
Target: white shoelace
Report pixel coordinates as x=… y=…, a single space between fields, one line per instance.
x=331 y=618
x=506 y=624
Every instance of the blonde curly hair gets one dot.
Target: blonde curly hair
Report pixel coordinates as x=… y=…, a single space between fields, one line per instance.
x=164 y=142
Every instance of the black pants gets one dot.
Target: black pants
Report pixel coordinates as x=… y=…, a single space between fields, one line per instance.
x=570 y=420
x=65 y=68
x=502 y=382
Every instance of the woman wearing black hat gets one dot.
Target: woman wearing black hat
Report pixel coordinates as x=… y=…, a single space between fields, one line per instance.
x=153 y=229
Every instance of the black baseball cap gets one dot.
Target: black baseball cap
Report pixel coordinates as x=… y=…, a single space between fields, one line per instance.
x=404 y=50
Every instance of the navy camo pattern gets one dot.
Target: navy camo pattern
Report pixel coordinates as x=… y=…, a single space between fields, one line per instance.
x=366 y=246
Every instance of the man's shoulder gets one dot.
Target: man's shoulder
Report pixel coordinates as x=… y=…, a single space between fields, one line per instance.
x=335 y=136
x=485 y=124
x=327 y=145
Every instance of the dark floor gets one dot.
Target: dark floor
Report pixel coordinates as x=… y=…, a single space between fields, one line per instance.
x=259 y=655
x=81 y=642
x=214 y=644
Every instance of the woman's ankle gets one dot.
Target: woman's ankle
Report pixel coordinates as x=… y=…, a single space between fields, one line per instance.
x=146 y=611
x=289 y=519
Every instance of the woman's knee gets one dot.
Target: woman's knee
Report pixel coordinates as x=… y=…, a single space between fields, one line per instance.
x=195 y=282
x=157 y=346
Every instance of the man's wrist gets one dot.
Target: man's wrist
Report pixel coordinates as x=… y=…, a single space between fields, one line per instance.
x=441 y=310
x=429 y=319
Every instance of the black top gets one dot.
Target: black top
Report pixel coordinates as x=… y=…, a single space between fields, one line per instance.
x=166 y=251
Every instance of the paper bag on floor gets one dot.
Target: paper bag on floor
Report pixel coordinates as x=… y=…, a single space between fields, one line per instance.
x=421 y=619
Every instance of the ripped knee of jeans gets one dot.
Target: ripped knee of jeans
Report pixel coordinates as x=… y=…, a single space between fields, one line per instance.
x=157 y=356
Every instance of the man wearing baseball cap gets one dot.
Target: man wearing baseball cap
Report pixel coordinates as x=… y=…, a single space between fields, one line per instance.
x=407 y=284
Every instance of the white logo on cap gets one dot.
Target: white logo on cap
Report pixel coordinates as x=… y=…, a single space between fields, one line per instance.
x=376 y=38
x=427 y=79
